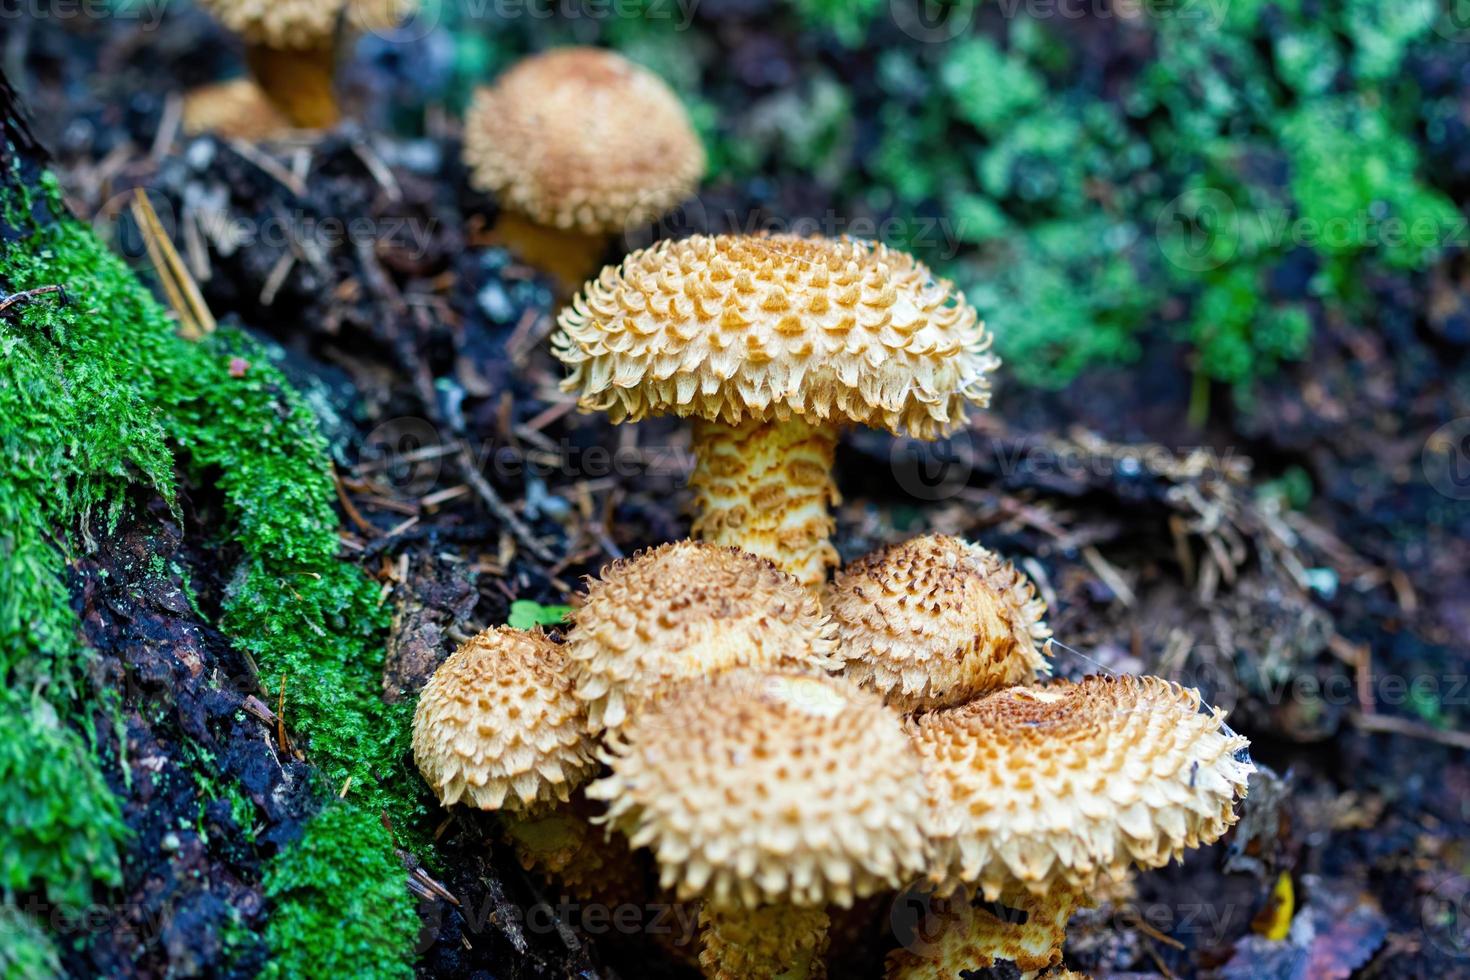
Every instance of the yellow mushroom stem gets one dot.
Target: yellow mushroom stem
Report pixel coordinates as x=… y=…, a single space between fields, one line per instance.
x=561 y=845
x=773 y=941
x=299 y=82
x=766 y=488
x=958 y=934
x=568 y=256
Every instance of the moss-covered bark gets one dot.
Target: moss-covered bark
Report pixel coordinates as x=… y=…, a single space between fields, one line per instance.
x=97 y=393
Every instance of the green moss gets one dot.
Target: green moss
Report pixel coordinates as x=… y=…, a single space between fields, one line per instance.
x=98 y=393
x=339 y=901
x=27 y=952
x=61 y=823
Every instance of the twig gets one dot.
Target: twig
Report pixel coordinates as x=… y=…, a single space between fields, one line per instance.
x=503 y=513
x=1394 y=725
x=350 y=509
x=26 y=295
x=281 y=716
x=195 y=320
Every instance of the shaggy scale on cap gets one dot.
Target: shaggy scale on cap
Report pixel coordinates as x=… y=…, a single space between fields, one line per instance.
x=936 y=621
x=581 y=138
x=759 y=789
x=497 y=726
x=730 y=328
x=282 y=24
x=1057 y=785
x=683 y=610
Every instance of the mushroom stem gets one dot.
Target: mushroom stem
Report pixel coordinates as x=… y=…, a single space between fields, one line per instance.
x=1021 y=927
x=766 y=487
x=569 y=256
x=774 y=941
x=560 y=844
x=298 y=82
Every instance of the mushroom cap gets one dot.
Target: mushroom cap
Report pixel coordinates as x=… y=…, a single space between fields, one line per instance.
x=498 y=727
x=936 y=621
x=582 y=138
x=1039 y=786
x=281 y=24
x=732 y=327
x=688 y=609
x=292 y=25
x=753 y=788
x=237 y=109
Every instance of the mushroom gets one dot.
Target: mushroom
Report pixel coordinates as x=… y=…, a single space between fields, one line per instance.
x=936 y=621
x=1039 y=793
x=291 y=47
x=771 y=344
x=770 y=796
x=236 y=109
x=497 y=727
x=683 y=610
x=579 y=144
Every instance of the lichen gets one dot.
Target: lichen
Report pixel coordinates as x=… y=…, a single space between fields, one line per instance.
x=97 y=393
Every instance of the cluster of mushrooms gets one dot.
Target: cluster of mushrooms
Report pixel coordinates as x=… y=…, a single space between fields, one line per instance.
x=781 y=740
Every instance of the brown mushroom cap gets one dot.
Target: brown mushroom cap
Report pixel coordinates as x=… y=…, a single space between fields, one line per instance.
x=498 y=726
x=237 y=109
x=769 y=327
x=280 y=24
x=582 y=138
x=755 y=789
x=936 y=621
x=1057 y=785
x=688 y=609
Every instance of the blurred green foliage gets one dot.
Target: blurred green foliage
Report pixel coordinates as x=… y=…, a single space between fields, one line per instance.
x=1096 y=178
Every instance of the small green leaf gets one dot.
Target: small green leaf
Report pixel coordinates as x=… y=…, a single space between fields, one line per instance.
x=526 y=614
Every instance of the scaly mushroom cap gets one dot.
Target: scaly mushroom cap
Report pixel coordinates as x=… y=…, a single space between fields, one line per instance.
x=581 y=138
x=769 y=327
x=688 y=609
x=281 y=24
x=498 y=726
x=1040 y=786
x=753 y=788
x=236 y=109
x=936 y=621
x=290 y=25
